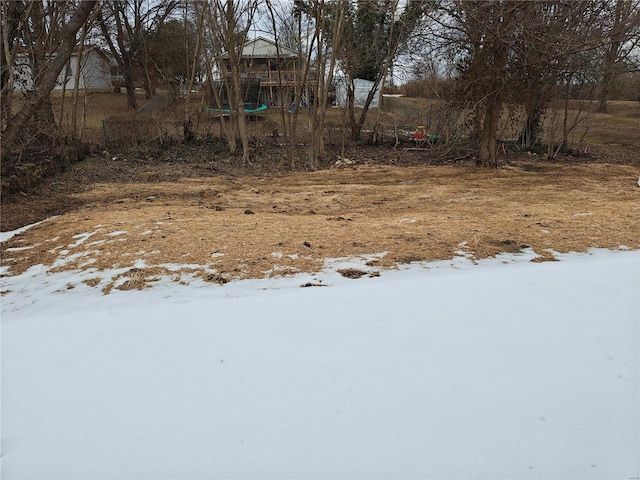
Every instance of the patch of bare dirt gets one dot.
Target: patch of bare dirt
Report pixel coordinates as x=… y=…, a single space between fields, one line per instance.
x=206 y=215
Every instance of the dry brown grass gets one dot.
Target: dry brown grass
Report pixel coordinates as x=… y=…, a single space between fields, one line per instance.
x=245 y=227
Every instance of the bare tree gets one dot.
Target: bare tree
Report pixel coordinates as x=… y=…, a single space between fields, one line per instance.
x=13 y=16
x=293 y=29
x=328 y=35
x=79 y=72
x=187 y=123
x=284 y=32
x=621 y=36
x=40 y=28
x=510 y=52
x=47 y=76
x=487 y=25
x=216 y=80
x=228 y=25
x=124 y=25
x=372 y=34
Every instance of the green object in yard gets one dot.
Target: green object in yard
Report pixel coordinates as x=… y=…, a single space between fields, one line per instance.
x=248 y=108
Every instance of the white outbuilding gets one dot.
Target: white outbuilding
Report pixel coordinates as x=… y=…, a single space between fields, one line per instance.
x=93 y=65
x=361 y=90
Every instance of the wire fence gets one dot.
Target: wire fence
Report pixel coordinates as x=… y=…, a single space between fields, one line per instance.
x=156 y=105
x=139 y=128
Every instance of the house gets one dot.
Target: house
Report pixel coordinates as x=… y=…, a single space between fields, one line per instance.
x=93 y=65
x=271 y=74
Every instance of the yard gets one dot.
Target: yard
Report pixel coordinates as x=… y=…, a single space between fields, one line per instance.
x=196 y=204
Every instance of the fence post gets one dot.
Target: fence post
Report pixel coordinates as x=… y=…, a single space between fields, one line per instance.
x=104 y=131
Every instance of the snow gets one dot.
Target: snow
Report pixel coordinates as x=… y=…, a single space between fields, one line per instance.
x=4 y=236
x=497 y=369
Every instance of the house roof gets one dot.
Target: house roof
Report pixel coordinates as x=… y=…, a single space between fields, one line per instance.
x=260 y=47
x=25 y=52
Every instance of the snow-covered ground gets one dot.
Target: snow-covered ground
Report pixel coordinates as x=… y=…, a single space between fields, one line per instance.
x=452 y=370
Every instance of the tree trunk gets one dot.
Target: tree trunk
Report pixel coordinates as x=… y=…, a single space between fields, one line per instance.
x=351 y=110
x=41 y=92
x=76 y=85
x=608 y=75
x=529 y=134
x=132 y=103
x=621 y=12
x=187 y=124
x=12 y=14
x=242 y=131
x=365 y=108
x=487 y=156
x=565 y=121
x=326 y=63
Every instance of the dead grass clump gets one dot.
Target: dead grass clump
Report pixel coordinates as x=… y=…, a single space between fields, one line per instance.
x=92 y=282
x=215 y=278
x=133 y=279
x=545 y=256
x=355 y=273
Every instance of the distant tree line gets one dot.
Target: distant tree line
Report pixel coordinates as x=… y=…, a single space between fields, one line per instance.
x=479 y=54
